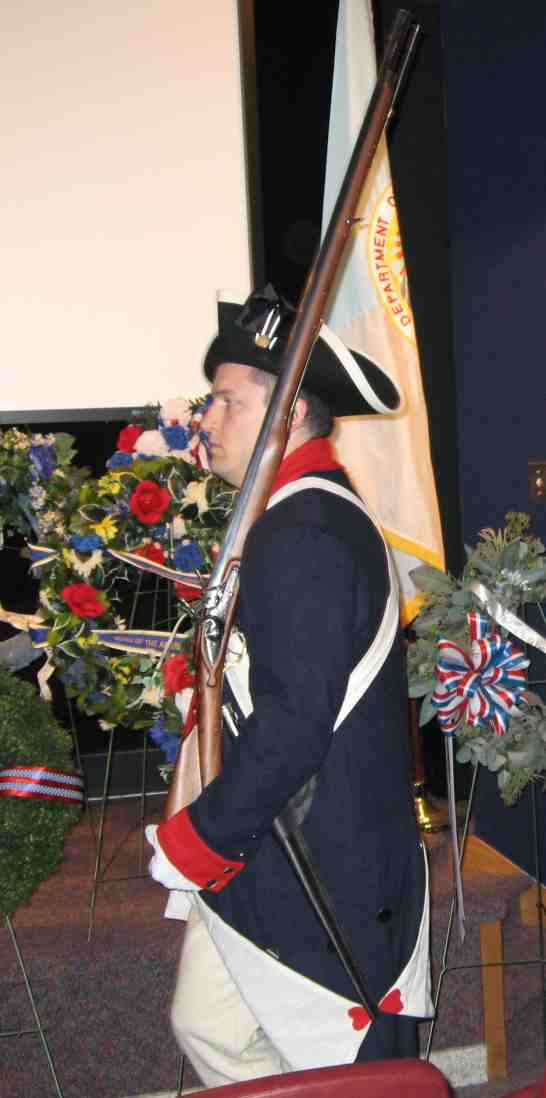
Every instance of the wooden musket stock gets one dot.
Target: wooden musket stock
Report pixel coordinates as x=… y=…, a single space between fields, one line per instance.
x=271 y=442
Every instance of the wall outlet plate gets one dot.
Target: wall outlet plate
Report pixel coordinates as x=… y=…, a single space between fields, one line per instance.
x=537 y=480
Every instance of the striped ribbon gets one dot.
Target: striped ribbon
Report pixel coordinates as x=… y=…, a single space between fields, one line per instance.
x=482 y=686
x=41 y=783
x=41 y=554
x=191 y=579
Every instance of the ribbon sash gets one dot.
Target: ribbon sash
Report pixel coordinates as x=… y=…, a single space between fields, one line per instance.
x=41 y=782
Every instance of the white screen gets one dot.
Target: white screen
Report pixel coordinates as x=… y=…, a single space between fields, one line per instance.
x=123 y=198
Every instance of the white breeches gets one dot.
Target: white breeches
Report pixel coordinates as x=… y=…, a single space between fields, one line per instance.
x=211 y=1022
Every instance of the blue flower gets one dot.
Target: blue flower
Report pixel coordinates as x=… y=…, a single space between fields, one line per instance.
x=175 y=437
x=169 y=742
x=159 y=532
x=86 y=543
x=188 y=557
x=44 y=459
x=75 y=675
x=119 y=460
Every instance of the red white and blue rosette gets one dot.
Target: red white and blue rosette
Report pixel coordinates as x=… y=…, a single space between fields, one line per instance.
x=481 y=686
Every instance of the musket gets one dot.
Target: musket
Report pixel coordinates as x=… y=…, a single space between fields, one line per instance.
x=220 y=598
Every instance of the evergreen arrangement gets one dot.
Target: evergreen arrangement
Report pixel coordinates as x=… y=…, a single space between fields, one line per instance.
x=32 y=831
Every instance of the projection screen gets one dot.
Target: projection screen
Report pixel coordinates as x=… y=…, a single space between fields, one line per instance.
x=124 y=204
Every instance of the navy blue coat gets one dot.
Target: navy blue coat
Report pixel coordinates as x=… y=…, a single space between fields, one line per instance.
x=313 y=588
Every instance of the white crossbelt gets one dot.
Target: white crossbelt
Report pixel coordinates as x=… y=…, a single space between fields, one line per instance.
x=373 y=659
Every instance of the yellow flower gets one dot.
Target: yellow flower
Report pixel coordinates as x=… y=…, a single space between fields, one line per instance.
x=109 y=485
x=88 y=641
x=121 y=671
x=106 y=529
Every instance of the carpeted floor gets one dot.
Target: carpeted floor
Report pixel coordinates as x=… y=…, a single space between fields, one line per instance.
x=105 y=1003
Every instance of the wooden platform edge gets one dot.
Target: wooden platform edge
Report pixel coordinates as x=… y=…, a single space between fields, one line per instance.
x=480 y=857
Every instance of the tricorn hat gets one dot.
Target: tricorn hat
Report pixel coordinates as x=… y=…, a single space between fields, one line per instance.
x=255 y=334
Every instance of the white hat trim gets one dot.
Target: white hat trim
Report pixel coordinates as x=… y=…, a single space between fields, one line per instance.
x=355 y=373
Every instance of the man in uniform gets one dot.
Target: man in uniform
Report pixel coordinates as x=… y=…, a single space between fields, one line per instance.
x=319 y=691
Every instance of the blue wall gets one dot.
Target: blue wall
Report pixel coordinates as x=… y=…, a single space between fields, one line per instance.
x=495 y=56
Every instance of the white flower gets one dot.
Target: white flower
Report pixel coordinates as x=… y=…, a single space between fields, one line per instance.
x=176 y=412
x=49 y=519
x=152 y=695
x=152 y=444
x=196 y=492
x=20 y=441
x=37 y=496
x=182 y=701
x=178 y=527
x=83 y=567
x=43 y=598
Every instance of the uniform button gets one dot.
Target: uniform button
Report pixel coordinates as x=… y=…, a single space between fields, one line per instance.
x=210 y=884
x=384 y=915
x=228 y=869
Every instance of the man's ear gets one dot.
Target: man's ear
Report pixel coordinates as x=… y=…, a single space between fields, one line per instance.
x=298 y=415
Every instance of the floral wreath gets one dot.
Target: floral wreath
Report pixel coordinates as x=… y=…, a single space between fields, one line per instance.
x=157 y=505
x=511 y=563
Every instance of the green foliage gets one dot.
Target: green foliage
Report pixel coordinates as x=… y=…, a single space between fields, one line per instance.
x=512 y=565
x=28 y=485
x=32 y=832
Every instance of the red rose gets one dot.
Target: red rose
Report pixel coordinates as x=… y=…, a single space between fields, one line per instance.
x=127 y=438
x=151 y=552
x=177 y=675
x=187 y=593
x=83 y=600
x=149 y=502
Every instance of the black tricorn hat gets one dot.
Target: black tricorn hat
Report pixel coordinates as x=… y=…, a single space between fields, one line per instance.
x=255 y=334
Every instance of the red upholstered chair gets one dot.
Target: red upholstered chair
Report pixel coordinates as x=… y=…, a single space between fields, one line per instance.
x=534 y=1090
x=379 y=1079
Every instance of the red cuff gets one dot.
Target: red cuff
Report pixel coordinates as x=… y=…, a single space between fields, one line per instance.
x=190 y=854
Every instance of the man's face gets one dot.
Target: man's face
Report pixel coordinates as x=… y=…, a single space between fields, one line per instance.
x=233 y=421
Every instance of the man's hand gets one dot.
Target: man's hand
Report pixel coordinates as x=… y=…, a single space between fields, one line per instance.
x=162 y=870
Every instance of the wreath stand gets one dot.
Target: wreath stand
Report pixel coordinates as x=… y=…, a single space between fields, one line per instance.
x=161 y=615
x=38 y=1028
x=482 y=857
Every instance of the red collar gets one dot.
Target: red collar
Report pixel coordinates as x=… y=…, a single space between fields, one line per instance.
x=314 y=456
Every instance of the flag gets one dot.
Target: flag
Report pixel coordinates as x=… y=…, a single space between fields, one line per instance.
x=388 y=459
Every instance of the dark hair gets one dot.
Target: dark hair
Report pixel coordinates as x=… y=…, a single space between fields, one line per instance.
x=318 y=417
